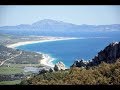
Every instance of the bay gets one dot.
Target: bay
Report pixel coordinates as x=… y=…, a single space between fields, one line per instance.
x=68 y=51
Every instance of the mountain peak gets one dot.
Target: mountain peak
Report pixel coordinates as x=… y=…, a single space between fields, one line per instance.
x=45 y=21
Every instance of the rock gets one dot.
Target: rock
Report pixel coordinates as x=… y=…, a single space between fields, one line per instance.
x=43 y=71
x=79 y=63
x=59 y=66
x=51 y=70
x=109 y=55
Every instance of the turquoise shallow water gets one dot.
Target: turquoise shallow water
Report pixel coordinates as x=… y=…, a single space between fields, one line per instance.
x=69 y=50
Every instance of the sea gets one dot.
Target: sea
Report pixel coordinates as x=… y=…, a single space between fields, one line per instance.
x=69 y=51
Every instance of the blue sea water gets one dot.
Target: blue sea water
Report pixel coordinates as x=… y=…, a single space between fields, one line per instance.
x=68 y=51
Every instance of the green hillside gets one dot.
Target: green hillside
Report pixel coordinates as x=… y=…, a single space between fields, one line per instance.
x=105 y=74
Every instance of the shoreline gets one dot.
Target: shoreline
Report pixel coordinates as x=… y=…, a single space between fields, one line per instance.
x=40 y=41
x=47 y=60
x=51 y=39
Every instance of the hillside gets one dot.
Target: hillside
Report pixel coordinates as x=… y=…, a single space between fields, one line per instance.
x=15 y=56
x=6 y=39
x=105 y=72
x=13 y=62
x=109 y=55
x=48 y=27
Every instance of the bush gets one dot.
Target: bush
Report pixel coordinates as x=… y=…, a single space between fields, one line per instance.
x=103 y=74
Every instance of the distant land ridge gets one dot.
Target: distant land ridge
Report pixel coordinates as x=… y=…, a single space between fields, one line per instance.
x=60 y=26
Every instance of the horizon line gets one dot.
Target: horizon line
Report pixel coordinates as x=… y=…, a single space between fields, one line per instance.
x=60 y=21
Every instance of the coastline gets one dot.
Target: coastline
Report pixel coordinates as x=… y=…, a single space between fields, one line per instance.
x=40 y=41
x=47 y=60
x=46 y=39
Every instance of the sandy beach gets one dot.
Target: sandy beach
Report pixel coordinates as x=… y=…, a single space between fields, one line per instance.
x=47 y=60
x=41 y=41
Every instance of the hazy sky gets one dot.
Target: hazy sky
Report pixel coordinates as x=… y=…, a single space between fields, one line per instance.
x=76 y=14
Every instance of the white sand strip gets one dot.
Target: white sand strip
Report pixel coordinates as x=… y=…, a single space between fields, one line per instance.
x=32 y=42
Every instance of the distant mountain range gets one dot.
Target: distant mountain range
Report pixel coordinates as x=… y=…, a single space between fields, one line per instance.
x=51 y=26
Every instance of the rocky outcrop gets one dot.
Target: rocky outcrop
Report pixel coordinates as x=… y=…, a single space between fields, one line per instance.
x=51 y=70
x=109 y=55
x=44 y=70
x=59 y=66
x=79 y=63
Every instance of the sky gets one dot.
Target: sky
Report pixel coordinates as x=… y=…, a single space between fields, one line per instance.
x=11 y=15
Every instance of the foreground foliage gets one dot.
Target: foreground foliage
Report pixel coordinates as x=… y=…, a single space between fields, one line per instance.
x=106 y=74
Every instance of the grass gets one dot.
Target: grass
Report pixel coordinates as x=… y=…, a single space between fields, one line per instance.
x=15 y=68
x=10 y=70
x=23 y=65
x=10 y=82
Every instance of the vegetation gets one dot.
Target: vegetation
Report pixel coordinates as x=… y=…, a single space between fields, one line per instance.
x=16 y=56
x=23 y=65
x=105 y=74
x=10 y=70
x=10 y=82
x=14 y=73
